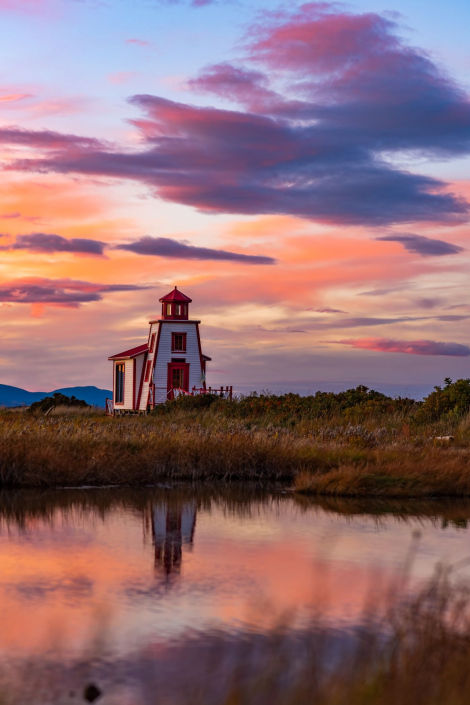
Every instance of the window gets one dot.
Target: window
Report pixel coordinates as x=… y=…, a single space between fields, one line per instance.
x=148 y=370
x=152 y=343
x=168 y=309
x=119 y=384
x=178 y=342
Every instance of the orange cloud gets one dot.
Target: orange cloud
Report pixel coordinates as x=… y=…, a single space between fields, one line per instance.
x=14 y=97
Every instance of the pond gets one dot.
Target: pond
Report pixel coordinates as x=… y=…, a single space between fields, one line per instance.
x=144 y=570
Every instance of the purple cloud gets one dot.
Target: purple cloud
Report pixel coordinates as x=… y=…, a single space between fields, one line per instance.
x=49 y=242
x=409 y=347
x=359 y=91
x=167 y=247
x=47 y=139
x=61 y=292
x=424 y=246
x=326 y=310
x=20 y=216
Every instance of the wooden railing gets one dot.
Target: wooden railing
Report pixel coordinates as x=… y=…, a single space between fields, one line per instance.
x=159 y=395
x=224 y=392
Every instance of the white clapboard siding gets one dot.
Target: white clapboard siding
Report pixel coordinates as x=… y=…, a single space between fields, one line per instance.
x=139 y=366
x=165 y=354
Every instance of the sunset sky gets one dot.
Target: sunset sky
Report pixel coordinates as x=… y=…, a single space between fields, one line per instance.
x=301 y=171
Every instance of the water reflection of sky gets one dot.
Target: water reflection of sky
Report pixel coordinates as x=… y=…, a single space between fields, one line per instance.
x=170 y=563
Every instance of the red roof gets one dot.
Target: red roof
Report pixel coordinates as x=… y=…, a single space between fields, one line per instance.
x=176 y=295
x=130 y=353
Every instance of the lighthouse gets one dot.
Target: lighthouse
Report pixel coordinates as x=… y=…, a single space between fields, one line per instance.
x=170 y=363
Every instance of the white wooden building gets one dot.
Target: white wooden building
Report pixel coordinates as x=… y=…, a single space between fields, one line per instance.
x=168 y=364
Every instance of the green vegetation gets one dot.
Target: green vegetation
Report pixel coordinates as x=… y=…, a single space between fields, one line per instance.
x=451 y=401
x=55 y=401
x=355 y=443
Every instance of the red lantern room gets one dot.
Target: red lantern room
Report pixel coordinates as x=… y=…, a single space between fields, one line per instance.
x=175 y=306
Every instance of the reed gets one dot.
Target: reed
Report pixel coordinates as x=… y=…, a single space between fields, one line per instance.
x=387 y=456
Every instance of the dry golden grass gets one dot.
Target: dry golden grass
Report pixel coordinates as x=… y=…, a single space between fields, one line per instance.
x=80 y=447
x=429 y=472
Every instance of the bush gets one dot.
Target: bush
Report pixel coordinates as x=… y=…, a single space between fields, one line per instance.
x=452 y=399
x=187 y=403
x=360 y=402
x=57 y=400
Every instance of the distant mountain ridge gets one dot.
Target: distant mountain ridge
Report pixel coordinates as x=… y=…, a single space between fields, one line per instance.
x=15 y=396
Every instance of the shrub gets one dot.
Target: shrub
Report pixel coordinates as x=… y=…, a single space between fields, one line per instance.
x=57 y=400
x=187 y=403
x=360 y=402
x=453 y=398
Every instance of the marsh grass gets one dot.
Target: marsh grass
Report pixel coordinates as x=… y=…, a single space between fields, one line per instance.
x=388 y=456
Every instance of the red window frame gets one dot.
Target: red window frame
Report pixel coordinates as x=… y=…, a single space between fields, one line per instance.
x=148 y=370
x=152 y=343
x=173 y=342
x=123 y=386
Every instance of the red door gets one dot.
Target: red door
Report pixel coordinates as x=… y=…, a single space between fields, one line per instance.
x=178 y=377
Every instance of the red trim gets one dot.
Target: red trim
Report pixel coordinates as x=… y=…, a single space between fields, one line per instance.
x=133 y=384
x=176 y=296
x=200 y=351
x=170 y=312
x=121 y=403
x=177 y=366
x=186 y=320
x=141 y=381
x=148 y=370
x=130 y=353
x=173 y=349
x=152 y=343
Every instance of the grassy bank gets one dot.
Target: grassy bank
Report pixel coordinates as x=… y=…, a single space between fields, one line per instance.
x=356 y=443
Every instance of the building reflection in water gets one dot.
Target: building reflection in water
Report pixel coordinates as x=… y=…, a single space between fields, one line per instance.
x=173 y=526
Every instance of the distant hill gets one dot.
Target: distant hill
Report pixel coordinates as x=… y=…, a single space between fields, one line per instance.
x=15 y=396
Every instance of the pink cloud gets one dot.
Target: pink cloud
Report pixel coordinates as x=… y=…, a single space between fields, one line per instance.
x=409 y=347
x=139 y=42
x=28 y=6
x=14 y=97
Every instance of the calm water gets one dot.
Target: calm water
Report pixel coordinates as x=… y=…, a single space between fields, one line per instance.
x=151 y=568
x=135 y=587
